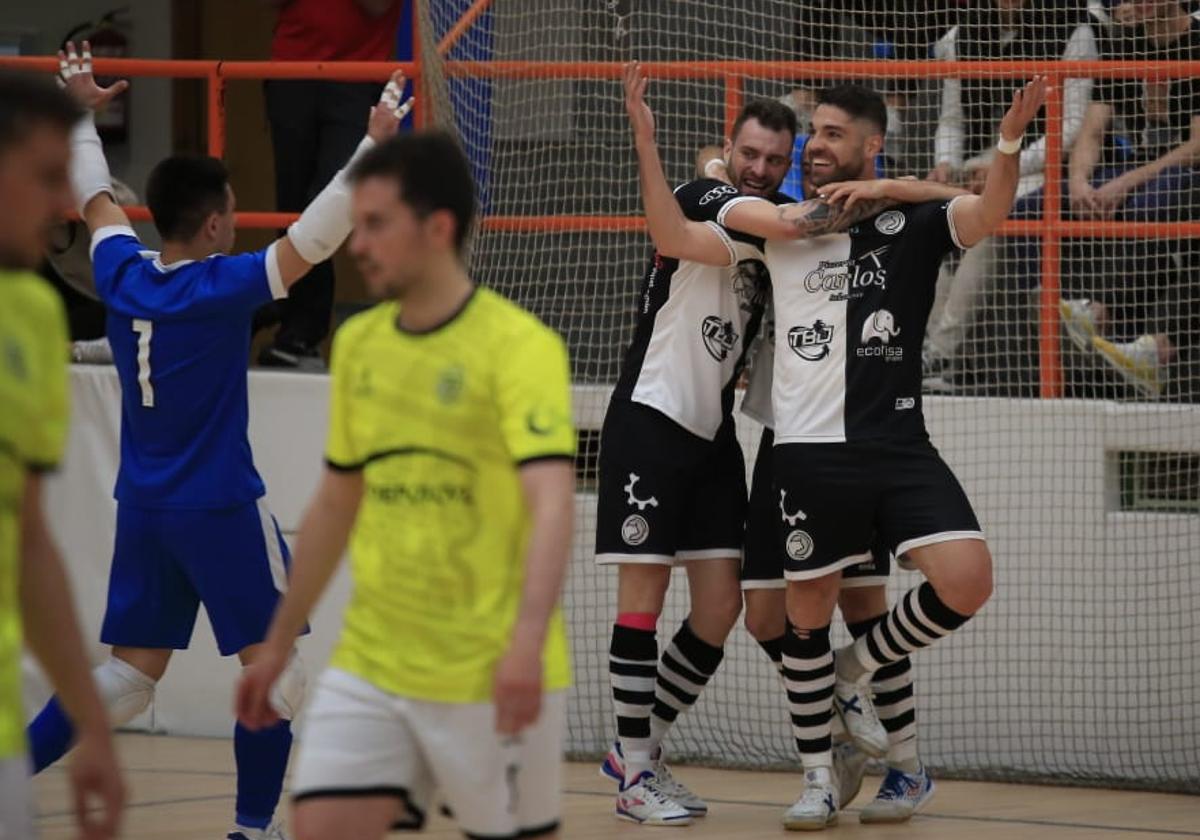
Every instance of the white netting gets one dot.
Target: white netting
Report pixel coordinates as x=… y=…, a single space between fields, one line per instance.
x=1085 y=665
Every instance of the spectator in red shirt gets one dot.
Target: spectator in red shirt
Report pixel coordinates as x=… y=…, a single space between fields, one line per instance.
x=315 y=126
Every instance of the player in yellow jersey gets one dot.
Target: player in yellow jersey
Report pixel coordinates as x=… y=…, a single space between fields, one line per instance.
x=450 y=470
x=35 y=600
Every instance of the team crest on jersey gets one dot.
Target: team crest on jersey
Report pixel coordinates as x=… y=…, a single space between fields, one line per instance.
x=719 y=337
x=811 y=343
x=880 y=326
x=635 y=529
x=890 y=222
x=14 y=360
x=450 y=384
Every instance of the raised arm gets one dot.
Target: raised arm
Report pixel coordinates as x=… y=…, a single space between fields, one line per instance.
x=90 y=177
x=976 y=216
x=325 y=222
x=674 y=235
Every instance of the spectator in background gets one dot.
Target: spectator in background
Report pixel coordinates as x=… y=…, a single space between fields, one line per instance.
x=315 y=126
x=990 y=30
x=1135 y=160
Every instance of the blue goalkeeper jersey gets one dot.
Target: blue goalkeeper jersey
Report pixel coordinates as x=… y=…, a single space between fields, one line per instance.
x=180 y=336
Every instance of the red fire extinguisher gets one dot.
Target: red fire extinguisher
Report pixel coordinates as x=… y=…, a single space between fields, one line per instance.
x=108 y=41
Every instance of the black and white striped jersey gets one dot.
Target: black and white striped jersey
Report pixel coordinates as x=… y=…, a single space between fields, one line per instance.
x=695 y=321
x=850 y=312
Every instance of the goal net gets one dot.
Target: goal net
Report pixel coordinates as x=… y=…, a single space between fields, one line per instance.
x=1060 y=364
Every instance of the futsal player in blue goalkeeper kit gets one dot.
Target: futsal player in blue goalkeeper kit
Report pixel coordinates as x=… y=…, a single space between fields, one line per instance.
x=192 y=525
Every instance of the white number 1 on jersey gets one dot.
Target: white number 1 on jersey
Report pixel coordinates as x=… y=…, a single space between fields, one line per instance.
x=145 y=331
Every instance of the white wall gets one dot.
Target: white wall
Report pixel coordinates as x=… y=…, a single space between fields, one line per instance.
x=43 y=25
x=1085 y=664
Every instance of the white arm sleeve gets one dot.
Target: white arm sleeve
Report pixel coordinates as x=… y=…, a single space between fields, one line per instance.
x=325 y=222
x=89 y=169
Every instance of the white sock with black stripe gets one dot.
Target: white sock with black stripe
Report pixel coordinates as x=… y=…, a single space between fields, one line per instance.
x=632 y=668
x=919 y=619
x=809 y=676
x=683 y=670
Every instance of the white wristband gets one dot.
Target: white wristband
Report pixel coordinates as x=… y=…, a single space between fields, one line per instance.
x=1009 y=147
x=325 y=222
x=89 y=169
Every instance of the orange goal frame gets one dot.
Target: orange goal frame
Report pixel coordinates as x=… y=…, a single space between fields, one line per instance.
x=1052 y=228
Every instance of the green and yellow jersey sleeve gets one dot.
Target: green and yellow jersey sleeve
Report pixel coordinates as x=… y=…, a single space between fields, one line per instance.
x=533 y=394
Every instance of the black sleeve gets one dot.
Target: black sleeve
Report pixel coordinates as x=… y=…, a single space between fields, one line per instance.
x=703 y=198
x=930 y=222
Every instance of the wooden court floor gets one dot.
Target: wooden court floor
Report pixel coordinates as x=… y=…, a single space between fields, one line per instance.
x=184 y=788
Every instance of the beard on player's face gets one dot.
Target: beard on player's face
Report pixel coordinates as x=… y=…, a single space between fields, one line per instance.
x=758 y=159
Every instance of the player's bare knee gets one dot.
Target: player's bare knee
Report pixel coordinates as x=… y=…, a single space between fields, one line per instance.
x=964 y=583
x=766 y=613
x=718 y=613
x=642 y=587
x=810 y=603
x=862 y=603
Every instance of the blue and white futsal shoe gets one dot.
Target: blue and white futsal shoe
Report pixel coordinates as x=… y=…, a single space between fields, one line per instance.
x=853 y=704
x=849 y=767
x=614 y=768
x=816 y=808
x=900 y=796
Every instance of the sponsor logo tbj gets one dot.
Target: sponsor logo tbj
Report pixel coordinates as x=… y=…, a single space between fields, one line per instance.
x=719 y=337
x=811 y=343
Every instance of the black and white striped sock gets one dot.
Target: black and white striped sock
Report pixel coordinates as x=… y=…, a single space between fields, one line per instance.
x=683 y=670
x=895 y=703
x=808 y=676
x=919 y=619
x=632 y=668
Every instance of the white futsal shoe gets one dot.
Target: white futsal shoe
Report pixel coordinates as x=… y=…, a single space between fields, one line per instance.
x=900 y=796
x=816 y=808
x=849 y=767
x=1079 y=319
x=646 y=803
x=614 y=768
x=853 y=704
x=272 y=832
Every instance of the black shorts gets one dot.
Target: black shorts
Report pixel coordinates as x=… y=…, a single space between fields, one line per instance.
x=763 y=562
x=667 y=495
x=838 y=499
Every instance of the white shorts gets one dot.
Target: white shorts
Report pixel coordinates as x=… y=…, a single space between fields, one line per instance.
x=16 y=799
x=358 y=740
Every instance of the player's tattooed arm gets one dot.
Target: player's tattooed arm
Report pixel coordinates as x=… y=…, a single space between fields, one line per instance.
x=817 y=217
x=848 y=194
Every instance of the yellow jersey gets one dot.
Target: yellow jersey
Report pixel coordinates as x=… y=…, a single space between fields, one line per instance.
x=33 y=425
x=440 y=423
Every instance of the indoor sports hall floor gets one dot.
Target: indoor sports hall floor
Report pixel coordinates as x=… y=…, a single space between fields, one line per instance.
x=182 y=788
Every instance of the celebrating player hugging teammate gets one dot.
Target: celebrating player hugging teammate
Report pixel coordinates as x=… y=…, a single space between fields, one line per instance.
x=852 y=459
x=192 y=523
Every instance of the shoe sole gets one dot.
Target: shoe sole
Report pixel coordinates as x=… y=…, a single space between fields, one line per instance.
x=1079 y=330
x=797 y=825
x=867 y=818
x=666 y=823
x=1110 y=354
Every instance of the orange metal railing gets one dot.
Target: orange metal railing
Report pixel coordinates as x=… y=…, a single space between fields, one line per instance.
x=1051 y=229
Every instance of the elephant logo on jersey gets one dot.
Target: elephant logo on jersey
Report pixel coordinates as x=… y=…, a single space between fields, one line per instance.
x=890 y=223
x=790 y=518
x=880 y=325
x=719 y=337
x=811 y=343
x=641 y=504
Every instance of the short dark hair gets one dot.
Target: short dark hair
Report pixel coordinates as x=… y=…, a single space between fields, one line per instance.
x=182 y=191
x=27 y=100
x=769 y=113
x=431 y=171
x=859 y=101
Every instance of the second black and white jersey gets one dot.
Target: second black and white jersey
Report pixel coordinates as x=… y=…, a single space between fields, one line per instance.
x=695 y=321
x=850 y=314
